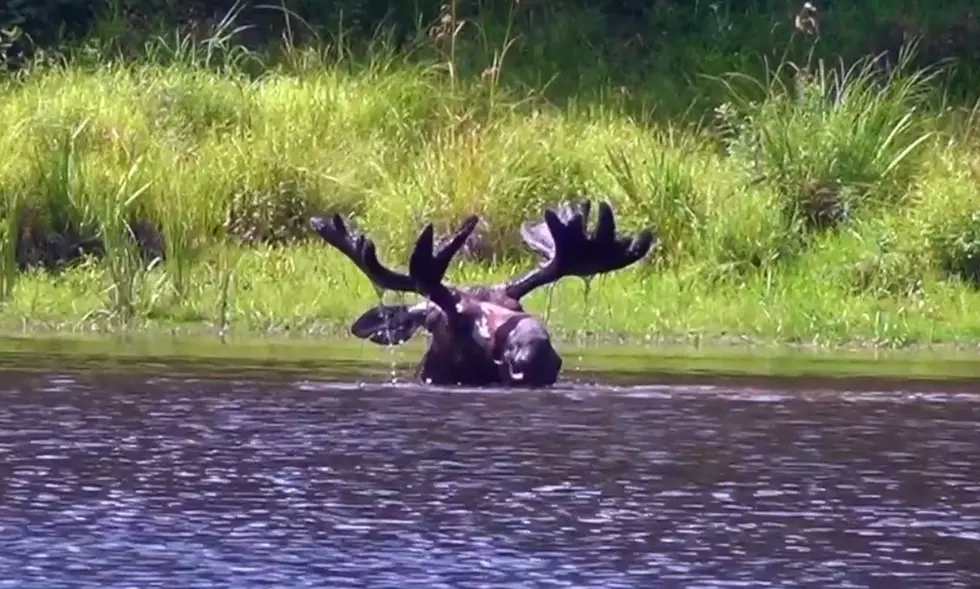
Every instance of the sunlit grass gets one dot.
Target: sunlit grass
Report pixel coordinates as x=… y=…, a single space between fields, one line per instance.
x=832 y=206
x=308 y=290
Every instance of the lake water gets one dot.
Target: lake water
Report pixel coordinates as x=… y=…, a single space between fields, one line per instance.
x=112 y=478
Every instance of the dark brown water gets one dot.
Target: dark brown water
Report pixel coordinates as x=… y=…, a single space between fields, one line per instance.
x=135 y=482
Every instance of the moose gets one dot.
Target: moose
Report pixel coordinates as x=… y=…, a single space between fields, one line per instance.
x=481 y=335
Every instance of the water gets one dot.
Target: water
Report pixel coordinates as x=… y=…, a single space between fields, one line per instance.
x=126 y=480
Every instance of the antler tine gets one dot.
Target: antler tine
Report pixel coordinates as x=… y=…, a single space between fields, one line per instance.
x=537 y=235
x=570 y=252
x=623 y=251
x=448 y=250
x=361 y=250
x=427 y=269
x=605 y=228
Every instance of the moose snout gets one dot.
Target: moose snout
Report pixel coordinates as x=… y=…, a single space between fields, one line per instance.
x=529 y=359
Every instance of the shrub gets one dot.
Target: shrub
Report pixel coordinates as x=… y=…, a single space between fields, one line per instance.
x=663 y=184
x=747 y=233
x=884 y=259
x=833 y=142
x=947 y=215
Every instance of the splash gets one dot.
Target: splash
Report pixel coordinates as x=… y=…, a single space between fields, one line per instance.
x=392 y=360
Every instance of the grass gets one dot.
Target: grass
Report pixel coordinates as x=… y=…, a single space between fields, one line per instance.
x=811 y=203
x=306 y=291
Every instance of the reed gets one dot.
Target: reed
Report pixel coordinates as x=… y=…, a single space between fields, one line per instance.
x=8 y=248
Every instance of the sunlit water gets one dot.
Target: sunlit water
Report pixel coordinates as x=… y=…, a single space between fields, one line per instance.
x=128 y=482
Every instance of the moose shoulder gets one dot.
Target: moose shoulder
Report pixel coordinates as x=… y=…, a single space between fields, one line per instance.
x=481 y=335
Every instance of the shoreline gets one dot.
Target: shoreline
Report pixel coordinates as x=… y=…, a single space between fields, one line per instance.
x=313 y=293
x=807 y=372
x=335 y=333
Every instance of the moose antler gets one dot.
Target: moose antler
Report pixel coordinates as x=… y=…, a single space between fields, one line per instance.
x=426 y=271
x=568 y=251
x=361 y=250
x=538 y=237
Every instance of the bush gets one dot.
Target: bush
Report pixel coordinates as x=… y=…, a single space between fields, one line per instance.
x=663 y=183
x=948 y=215
x=835 y=141
x=747 y=233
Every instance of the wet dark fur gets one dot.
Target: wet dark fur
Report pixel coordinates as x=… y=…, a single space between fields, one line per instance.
x=481 y=335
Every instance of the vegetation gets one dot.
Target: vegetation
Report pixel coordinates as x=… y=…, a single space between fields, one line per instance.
x=800 y=194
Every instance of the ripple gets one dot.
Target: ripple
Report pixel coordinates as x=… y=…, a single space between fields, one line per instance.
x=173 y=482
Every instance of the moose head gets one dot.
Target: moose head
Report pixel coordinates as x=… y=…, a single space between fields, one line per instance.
x=481 y=335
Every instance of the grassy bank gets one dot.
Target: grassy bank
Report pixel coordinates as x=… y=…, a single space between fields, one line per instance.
x=838 y=205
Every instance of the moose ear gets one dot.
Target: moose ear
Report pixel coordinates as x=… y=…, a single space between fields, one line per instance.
x=388 y=325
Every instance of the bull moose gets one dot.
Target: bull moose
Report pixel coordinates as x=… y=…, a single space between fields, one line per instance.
x=481 y=335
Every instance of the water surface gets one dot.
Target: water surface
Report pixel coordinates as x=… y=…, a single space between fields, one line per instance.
x=122 y=479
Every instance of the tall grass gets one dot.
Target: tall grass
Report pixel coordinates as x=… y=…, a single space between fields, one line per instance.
x=829 y=179
x=11 y=211
x=125 y=267
x=834 y=139
x=9 y=228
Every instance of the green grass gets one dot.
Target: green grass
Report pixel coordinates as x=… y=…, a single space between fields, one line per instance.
x=307 y=290
x=818 y=204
